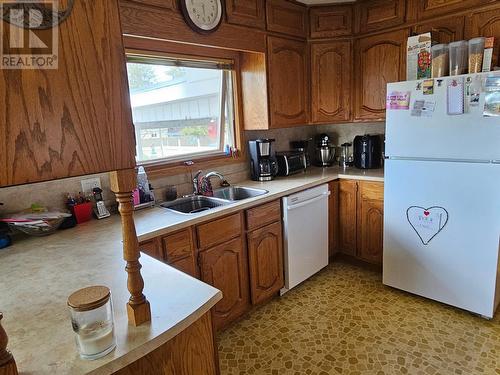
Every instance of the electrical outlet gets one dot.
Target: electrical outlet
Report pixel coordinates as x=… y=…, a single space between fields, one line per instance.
x=89 y=184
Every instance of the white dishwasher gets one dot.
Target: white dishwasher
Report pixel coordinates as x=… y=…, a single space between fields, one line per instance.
x=305 y=219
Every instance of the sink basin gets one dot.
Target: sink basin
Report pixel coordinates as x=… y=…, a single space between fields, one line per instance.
x=194 y=205
x=237 y=193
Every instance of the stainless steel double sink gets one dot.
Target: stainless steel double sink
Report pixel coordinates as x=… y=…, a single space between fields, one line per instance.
x=222 y=197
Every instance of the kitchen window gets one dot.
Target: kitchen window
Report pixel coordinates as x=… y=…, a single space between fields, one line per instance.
x=182 y=109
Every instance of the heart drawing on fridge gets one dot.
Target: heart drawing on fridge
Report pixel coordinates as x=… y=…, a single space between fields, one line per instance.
x=427 y=222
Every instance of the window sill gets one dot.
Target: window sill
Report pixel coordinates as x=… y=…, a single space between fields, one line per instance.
x=172 y=168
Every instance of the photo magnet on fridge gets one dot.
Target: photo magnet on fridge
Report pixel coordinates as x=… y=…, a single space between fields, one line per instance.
x=428 y=87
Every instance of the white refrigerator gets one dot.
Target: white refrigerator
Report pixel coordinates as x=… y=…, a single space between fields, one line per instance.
x=442 y=195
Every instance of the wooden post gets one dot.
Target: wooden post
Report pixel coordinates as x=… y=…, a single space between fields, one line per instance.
x=122 y=184
x=7 y=363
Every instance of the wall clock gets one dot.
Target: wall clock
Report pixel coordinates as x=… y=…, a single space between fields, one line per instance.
x=203 y=16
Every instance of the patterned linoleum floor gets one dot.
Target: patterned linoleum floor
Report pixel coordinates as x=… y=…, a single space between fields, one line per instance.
x=344 y=321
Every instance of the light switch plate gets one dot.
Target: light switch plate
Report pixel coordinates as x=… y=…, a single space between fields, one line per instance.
x=89 y=184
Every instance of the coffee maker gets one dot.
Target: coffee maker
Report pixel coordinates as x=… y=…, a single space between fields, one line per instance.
x=262 y=161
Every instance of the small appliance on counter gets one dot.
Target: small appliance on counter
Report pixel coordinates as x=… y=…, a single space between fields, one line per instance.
x=263 y=164
x=367 y=151
x=303 y=146
x=346 y=159
x=325 y=152
x=290 y=162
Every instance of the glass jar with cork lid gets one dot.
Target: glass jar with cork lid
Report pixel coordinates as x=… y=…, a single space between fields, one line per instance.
x=92 y=320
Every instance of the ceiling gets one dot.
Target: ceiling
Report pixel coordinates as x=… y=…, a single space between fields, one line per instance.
x=318 y=2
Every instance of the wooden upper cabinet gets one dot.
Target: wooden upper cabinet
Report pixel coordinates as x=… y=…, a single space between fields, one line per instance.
x=246 y=12
x=330 y=81
x=374 y=15
x=330 y=21
x=486 y=23
x=73 y=120
x=370 y=221
x=286 y=17
x=225 y=267
x=432 y=8
x=288 y=76
x=378 y=60
x=347 y=216
x=265 y=255
x=444 y=30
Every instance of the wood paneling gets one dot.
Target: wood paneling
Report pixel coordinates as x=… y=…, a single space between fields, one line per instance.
x=73 y=120
x=333 y=217
x=167 y=4
x=187 y=265
x=254 y=91
x=225 y=267
x=262 y=215
x=347 y=216
x=330 y=81
x=192 y=351
x=246 y=12
x=379 y=59
x=433 y=8
x=151 y=22
x=286 y=17
x=219 y=231
x=486 y=23
x=265 y=255
x=370 y=221
x=443 y=30
x=330 y=21
x=288 y=77
x=375 y=15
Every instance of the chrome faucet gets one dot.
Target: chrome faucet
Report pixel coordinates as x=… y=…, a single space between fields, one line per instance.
x=202 y=184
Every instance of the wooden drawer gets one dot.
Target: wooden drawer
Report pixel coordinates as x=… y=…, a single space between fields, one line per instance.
x=371 y=190
x=152 y=248
x=219 y=231
x=260 y=216
x=178 y=245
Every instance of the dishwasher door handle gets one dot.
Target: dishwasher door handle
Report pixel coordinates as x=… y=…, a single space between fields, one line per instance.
x=309 y=201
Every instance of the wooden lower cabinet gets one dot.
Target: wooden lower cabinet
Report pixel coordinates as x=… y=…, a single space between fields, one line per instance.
x=333 y=218
x=347 y=216
x=225 y=267
x=265 y=255
x=370 y=221
x=361 y=219
x=193 y=351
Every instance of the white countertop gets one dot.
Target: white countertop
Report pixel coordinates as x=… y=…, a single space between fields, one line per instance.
x=38 y=274
x=157 y=221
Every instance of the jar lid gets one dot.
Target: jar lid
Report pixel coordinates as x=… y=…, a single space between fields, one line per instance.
x=89 y=298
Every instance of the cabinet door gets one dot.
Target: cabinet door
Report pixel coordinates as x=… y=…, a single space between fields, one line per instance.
x=288 y=82
x=333 y=218
x=225 y=267
x=187 y=265
x=443 y=30
x=379 y=59
x=486 y=23
x=73 y=120
x=371 y=221
x=374 y=15
x=265 y=254
x=433 y=8
x=331 y=82
x=246 y=12
x=330 y=21
x=347 y=217
x=286 y=17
